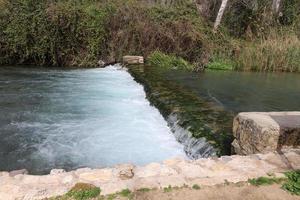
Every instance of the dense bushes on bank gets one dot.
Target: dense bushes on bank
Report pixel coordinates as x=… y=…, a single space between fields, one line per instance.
x=79 y=33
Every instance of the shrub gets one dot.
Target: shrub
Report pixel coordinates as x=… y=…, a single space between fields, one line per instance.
x=293 y=183
x=196 y=187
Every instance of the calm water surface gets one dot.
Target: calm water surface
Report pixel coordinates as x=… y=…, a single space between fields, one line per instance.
x=78 y=118
x=244 y=91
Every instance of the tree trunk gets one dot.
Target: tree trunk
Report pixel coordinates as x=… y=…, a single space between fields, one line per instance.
x=276 y=6
x=220 y=14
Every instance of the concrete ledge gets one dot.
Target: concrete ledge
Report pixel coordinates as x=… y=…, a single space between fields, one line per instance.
x=174 y=172
x=261 y=132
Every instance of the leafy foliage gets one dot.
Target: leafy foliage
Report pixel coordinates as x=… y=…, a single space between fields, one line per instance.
x=293 y=183
x=265 y=181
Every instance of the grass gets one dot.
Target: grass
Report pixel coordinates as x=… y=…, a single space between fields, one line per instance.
x=159 y=59
x=265 y=181
x=278 y=52
x=125 y=193
x=220 y=64
x=144 y=190
x=83 y=191
x=196 y=187
x=168 y=189
x=292 y=184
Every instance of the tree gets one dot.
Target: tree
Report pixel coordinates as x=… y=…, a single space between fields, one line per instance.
x=276 y=6
x=220 y=14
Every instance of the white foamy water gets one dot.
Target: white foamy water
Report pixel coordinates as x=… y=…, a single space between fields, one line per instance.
x=79 y=118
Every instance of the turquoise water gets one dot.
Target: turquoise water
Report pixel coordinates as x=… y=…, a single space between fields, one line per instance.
x=78 y=118
x=244 y=91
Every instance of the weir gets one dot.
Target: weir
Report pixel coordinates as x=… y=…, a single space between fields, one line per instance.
x=78 y=118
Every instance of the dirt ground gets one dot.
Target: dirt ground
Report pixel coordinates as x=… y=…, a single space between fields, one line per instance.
x=228 y=192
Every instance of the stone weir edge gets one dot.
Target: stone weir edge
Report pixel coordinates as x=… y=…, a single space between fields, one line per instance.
x=172 y=172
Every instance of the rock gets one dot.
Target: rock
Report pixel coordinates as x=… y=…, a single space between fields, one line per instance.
x=265 y=132
x=101 y=63
x=100 y=175
x=174 y=172
x=133 y=60
x=125 y=171
x=18 y=172
x=57 y=171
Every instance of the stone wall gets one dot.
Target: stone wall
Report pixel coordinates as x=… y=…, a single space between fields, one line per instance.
x=264 y=132
x=174 y=172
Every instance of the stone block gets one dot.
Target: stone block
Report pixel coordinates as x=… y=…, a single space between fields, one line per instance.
x=133 y=60
x=261 y=132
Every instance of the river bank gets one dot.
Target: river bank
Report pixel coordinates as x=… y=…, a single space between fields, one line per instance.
x=80 y=33
x=171 y=173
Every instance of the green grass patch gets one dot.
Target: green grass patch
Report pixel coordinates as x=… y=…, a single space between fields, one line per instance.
x=83 y=191
x=265 y=181
x=292 y=184
x=144 y=190
x=125 y=193
x=196 y=187
x=159 y=59
x=168 y=189
x=220 y=64
x=112 y=196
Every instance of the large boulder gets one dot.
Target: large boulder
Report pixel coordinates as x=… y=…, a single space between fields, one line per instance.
x=256 y=132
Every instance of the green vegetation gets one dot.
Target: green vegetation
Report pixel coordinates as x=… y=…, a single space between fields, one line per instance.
x=265 y=181
x=168 y=189
x=144 y=190
x=220 y=64
x=125 y=193
x=83 y=191
x=79 y=33
x=162 y=60
x=196 y=187
x=292 y=185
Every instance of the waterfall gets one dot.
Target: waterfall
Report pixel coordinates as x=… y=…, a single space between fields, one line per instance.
x=193 y=147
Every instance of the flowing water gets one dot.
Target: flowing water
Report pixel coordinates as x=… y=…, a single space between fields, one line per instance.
x=78 y=118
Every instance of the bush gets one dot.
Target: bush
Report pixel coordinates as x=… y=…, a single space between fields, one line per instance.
x=79 y=33
x=53 y=33
x=293 y=183
x=159 y=59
